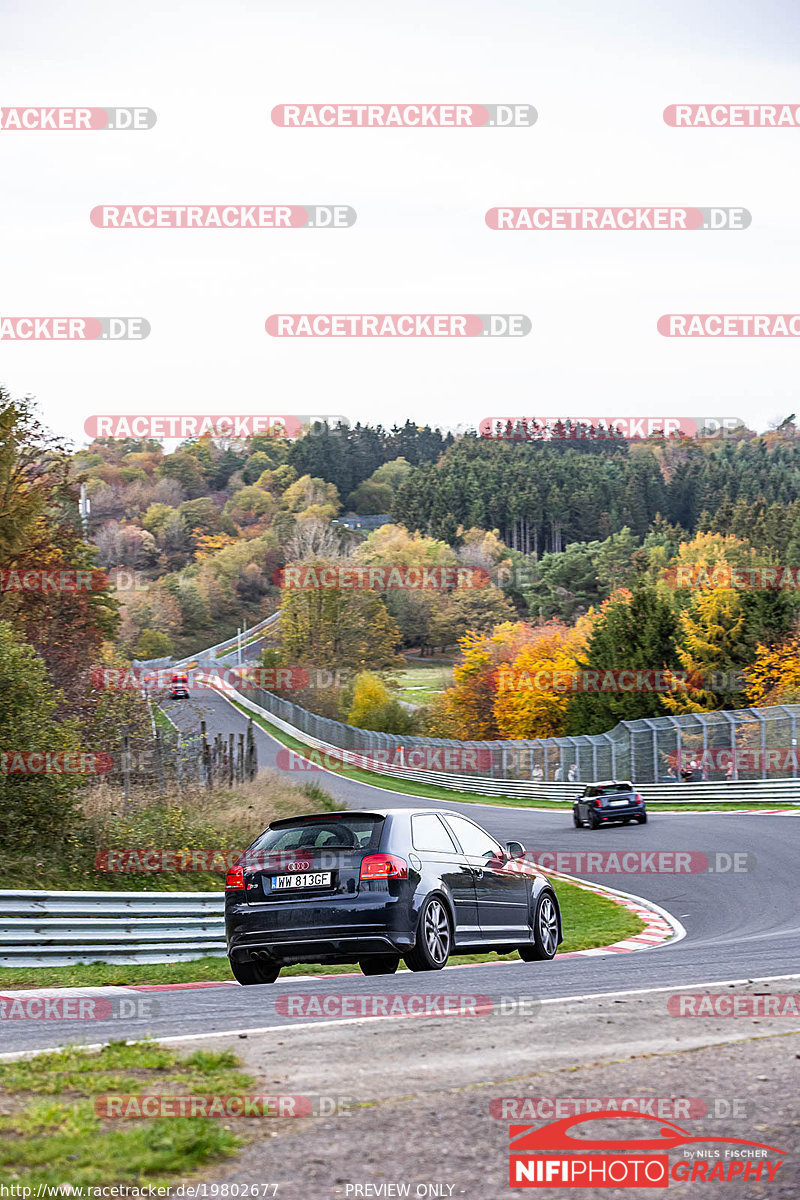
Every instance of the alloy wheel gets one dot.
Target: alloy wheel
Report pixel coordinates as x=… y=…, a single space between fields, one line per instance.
x=437 y=932
x=548 y=926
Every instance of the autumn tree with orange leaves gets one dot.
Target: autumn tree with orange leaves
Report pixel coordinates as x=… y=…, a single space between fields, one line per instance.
x=774 y=676
x=506 y=685
x=40 y=531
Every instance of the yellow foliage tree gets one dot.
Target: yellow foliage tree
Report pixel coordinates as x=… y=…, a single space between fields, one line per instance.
x=208 y=544
x=529 y=700
x=369 y=696
x=774 y=676
x=696 y=560
x=470 y=702
x=711 y=632
x=497 y=690
x=393 y=545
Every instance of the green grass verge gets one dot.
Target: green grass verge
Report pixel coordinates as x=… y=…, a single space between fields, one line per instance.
x=50 y=1133
x=161 y=719
x=420 y=684
x=432 y=792
x=589 y=920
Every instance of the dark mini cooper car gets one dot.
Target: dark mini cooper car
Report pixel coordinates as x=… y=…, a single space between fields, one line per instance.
x=374 y=887
x=607 y=801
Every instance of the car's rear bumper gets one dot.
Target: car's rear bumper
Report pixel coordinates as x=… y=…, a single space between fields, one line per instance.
x=333 y=930
x=616 y=814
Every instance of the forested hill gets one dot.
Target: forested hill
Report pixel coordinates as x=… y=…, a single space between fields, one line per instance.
x=542 y=497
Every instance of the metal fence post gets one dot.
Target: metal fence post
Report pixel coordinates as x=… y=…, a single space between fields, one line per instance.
x=179 y=760
x=160 y=764
x=126 y=768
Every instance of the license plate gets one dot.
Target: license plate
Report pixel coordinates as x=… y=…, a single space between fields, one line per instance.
x=614 y=803
x=284 y=883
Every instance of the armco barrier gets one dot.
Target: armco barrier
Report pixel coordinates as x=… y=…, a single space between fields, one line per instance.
x=149 y=919
x=60 y=929
x=639 y=750
x=219 y=653
x=777 y=791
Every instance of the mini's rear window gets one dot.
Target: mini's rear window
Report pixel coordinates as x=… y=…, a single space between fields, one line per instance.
x=608 y=789
x=324 y=833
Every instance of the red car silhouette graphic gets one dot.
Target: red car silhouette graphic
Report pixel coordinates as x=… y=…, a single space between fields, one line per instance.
x=556 y=1136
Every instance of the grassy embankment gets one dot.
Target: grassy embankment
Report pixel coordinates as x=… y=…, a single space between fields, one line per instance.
x=50 y=1133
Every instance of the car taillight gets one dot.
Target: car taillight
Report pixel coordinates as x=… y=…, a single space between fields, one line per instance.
x=234 y=880
x=638 y=799
x=384 y=866
x=598 y=803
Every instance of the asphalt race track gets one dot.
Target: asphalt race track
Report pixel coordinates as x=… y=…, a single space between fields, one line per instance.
x=739 y=926
x=406 y=1104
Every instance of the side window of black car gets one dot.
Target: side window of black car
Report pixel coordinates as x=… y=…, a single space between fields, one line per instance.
x=428 y=833
x=474 y=841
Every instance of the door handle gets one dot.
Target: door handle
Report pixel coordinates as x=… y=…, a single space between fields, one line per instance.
x=477 y=872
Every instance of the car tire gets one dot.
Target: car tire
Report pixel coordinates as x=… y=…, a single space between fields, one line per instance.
x=545 y=931
x=642 y=819
x=248 y=973
x=594 y=820
x=434 y=937
x=379 y=964
x=576 y=821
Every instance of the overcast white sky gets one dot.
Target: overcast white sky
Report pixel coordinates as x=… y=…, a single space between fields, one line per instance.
x=598 y=74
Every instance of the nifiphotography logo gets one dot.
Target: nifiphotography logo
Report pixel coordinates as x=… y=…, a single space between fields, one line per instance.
x=552 y=1156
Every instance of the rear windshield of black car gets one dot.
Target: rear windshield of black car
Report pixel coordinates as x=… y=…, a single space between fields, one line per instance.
x=608 y=789
x=327 y=833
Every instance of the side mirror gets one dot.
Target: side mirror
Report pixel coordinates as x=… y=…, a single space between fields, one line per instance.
x=515 y=849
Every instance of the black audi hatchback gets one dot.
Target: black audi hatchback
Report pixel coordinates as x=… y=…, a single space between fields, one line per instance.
x=374 y=887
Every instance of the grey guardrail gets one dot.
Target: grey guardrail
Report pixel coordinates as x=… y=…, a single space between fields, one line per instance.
x=229 y=647
x=60 y=929
x=779 y=791
x=786 y=791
